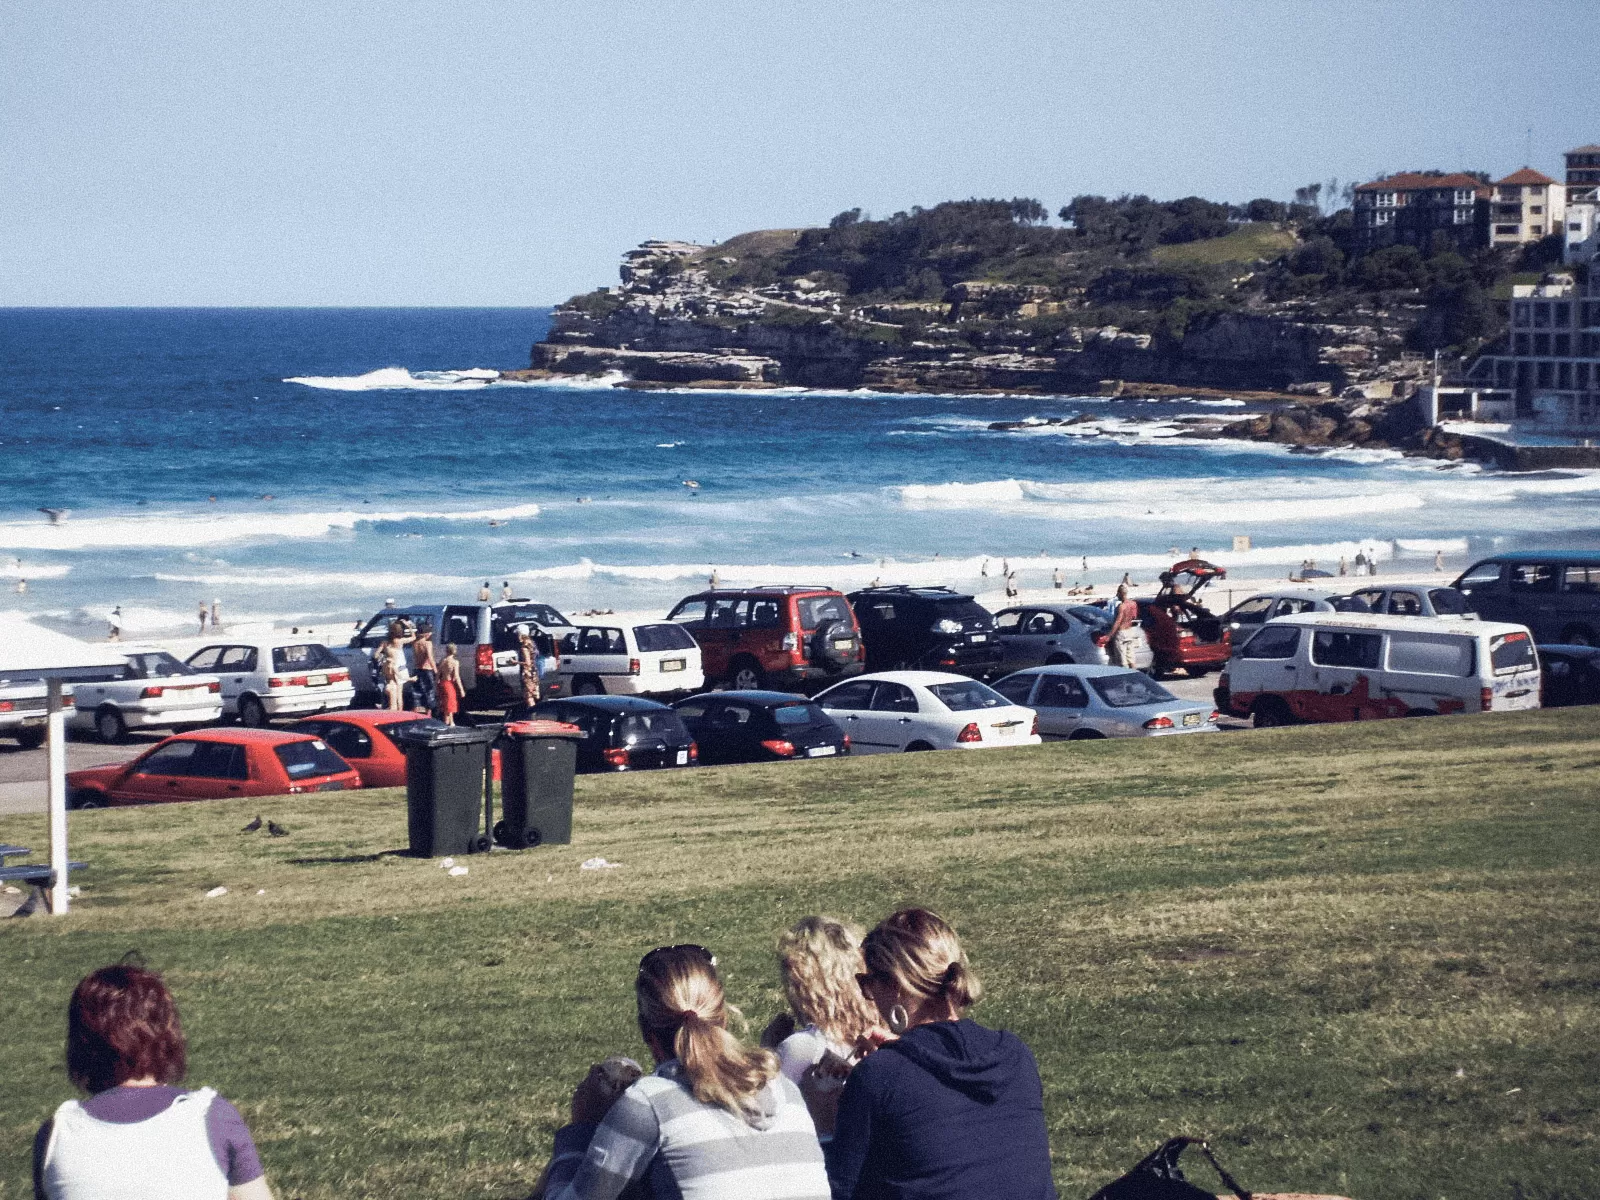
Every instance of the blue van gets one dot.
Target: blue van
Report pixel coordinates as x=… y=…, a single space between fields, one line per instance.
x=1555 y=593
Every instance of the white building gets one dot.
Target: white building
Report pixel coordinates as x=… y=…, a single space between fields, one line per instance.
x=1551 y=362
x=1526 y=207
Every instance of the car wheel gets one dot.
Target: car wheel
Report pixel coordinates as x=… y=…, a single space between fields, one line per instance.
x=1086 y=735
x=1056 y=660
x=252 y=712
x=1271 y=713
x=86 y=799
x=30 y=739
x=1579 y=635
x=110 y=726
x=917 y=747
x=588 y=685
x=745 y=675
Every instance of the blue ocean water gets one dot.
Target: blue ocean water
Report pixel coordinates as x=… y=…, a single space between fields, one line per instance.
x=394 y=471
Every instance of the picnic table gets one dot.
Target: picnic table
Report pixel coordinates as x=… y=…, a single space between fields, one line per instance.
x=37 y=875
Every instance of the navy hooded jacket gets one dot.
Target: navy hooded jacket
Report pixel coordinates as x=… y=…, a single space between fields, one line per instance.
x=950 y=1111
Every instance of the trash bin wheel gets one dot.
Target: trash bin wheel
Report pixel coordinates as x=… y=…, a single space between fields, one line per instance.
x=531 y=838
x=481 y=843
x=500 y=832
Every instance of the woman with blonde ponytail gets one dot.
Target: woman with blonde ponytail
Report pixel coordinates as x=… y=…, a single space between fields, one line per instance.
x=820 y=958
x=716 y=1121
x=948 y=1110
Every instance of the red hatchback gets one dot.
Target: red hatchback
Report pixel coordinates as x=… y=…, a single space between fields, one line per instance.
x=213 y=764
x=364 y=737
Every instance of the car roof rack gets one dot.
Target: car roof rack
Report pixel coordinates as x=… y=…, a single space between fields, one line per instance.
x=785 y=587
x=911 y=589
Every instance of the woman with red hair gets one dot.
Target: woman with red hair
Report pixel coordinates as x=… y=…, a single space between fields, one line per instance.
x=139 y=1136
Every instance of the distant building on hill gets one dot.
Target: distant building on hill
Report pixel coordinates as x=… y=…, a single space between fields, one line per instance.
x=1550 y=363
x=1582 y=217
x=1422 y=209
x=1583 y=173
x=1527 y=207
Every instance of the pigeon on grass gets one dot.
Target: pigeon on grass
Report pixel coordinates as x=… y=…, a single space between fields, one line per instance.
x=253 y=826
x=276 y=830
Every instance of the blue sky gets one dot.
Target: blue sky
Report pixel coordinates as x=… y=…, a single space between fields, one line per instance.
x=463 y=153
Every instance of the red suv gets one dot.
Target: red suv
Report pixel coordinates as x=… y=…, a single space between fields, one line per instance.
x=784 y=638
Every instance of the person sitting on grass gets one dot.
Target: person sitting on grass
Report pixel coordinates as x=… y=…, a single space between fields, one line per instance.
x=715 y=1122
x=820 y=958
x=139 y=1135
x=948 y=1110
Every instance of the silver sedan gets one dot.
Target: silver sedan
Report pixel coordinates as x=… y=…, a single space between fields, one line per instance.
x=1034 y=634
x=1080 y=702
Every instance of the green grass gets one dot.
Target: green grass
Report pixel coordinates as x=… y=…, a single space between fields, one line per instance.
x=1258 y=240
x=1362 y=959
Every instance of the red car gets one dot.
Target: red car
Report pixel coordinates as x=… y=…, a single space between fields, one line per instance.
x=213 y=764
x=364 y=737
x=1182 y=632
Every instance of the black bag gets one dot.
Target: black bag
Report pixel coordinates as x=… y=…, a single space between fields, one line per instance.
x=1157 y=1177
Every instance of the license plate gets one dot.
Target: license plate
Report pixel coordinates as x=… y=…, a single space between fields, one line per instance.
x=683 y=758
x=316 y=680
x=672 y=664
x=330 y=786
x=1192 y=718
x=842 y=643
x=821 y=751
x=978 y=638
x=32 y=722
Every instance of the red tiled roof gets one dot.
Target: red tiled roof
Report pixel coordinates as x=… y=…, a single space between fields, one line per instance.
x=1412 y=181
x=1526 y=177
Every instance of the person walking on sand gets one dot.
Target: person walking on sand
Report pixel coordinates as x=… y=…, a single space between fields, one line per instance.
x=528 y=668
x=22 y=587
x=715 y=581
x=1119 y=639
x=1011 y=585
x=505 y=591
x=202 y=614
x=423 y=663
x=451 y=693
x=1344 y=567
x=216 y=615
x=1438 y=560
x=114 y=633
x=1361 y=562
x=1057 y=578
x=983 y=569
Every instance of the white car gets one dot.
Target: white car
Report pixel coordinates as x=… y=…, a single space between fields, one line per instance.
x=631 y=660
x=275 y=677
x=926 y=710
x=155 y=691
x=1416 y=600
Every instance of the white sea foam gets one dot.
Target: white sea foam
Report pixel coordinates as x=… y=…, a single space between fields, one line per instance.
x=178 y=530
x=16 y=568
x=400 y=379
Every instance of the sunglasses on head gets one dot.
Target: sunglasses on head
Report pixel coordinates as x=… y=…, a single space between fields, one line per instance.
x=685 y=948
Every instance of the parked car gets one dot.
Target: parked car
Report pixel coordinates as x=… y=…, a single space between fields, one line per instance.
x=275 y=677
x=1413 y=600
x=31 y=654
x=631 y=660
x=1554 y=593
x=1347 y=667
x=925 y=710
x=155 y=691
x=1248 y=615
x=1183 y=633
x=734 y=727
x=620 y=733
x=1570 y=675
x=23 y=711
x=486 y=640
x=1081 y=702
x=773 y=637
x=928 y=628
x=365 y=738
x=213 y=764
x=1031 y=635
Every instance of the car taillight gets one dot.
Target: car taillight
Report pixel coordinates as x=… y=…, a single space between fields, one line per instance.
x=151 y=693
x=947 y=662
x=847 y=741
x=69 y=702
x=338 y=676
x=299 y=681
x=7 y=706
x=971 y=733
x=213 y=688
x=483 y=661
x=617 y=757
x=1034 y=732
x=1486 y=698
x=1158 y=723
x=274 y=682
x=694 y=751
x=782 y=747
x=633 y=666
x=1215 y=715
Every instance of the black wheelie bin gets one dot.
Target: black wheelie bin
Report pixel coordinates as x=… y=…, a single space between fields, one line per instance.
x=445 y=771
x=537 y=762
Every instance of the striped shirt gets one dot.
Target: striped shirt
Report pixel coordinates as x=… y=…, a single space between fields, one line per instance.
x=692 y=1151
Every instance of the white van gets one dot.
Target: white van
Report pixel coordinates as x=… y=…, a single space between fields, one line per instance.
x=1354 y=667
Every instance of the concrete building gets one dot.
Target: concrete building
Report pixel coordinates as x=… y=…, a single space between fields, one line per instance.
x=1422 y=210
x=1551 y=360
x=1583 y=233
x=1583 y=173
x=1527 y=206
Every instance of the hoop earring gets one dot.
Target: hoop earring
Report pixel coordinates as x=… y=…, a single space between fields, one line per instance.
x=899 y=1020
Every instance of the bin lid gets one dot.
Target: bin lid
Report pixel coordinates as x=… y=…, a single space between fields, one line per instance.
x=533 y=729
x=442 y=735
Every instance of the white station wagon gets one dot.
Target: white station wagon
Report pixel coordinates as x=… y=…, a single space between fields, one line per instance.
x=275 y=677
x=631 y=660
x=926 y=710
x=154 y=691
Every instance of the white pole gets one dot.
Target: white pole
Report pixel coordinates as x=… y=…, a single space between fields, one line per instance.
x=57 y=742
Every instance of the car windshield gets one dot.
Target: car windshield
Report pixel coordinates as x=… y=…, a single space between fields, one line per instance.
x=662 y=637
x=967 y=695
x=540 y=614
x=816 y=611
x=306 y=760
x=663 y=724
x=159 y=665
x=1512 y=652
x=1130 y=690
x=800 y=714
x=313 y=656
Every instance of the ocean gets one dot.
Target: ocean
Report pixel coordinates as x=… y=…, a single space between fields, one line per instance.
x=301 y=466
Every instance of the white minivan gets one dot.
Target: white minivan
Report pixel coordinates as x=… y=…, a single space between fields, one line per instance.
x=1354 y=667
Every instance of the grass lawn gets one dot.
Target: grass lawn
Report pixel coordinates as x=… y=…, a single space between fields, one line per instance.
x=1258 y=240
x=1363 y=959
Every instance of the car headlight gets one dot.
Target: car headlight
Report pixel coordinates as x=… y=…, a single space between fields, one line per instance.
x=948 y=626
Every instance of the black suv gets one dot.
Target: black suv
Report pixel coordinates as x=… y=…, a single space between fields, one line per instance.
x=927 y=628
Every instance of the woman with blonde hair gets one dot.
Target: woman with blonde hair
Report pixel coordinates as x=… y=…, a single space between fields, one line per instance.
x=948 y=1110
x=820 y=958
x=716 y=1121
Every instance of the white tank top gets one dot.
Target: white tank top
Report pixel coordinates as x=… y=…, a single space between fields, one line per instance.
x=165 y=1157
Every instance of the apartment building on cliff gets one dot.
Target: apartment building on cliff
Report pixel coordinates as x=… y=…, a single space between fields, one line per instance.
x=1582 y=195
x=1424 y=210
x=1527 y=206
x=1550 y=363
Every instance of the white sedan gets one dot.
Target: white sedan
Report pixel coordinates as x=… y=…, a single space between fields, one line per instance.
x=154 y=690
x=271 y=677
x=926 y=710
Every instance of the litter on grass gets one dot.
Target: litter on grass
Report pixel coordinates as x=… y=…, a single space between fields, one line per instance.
x=447 y=863
x=215 y=892
x=74 y=891
x=458 y=871
x=597 y=864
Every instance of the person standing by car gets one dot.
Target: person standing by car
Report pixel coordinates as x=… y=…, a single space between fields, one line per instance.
x=528 y=667
x=422 y=662
x=451 y=693
x=1118 y=639
x=483 y=593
